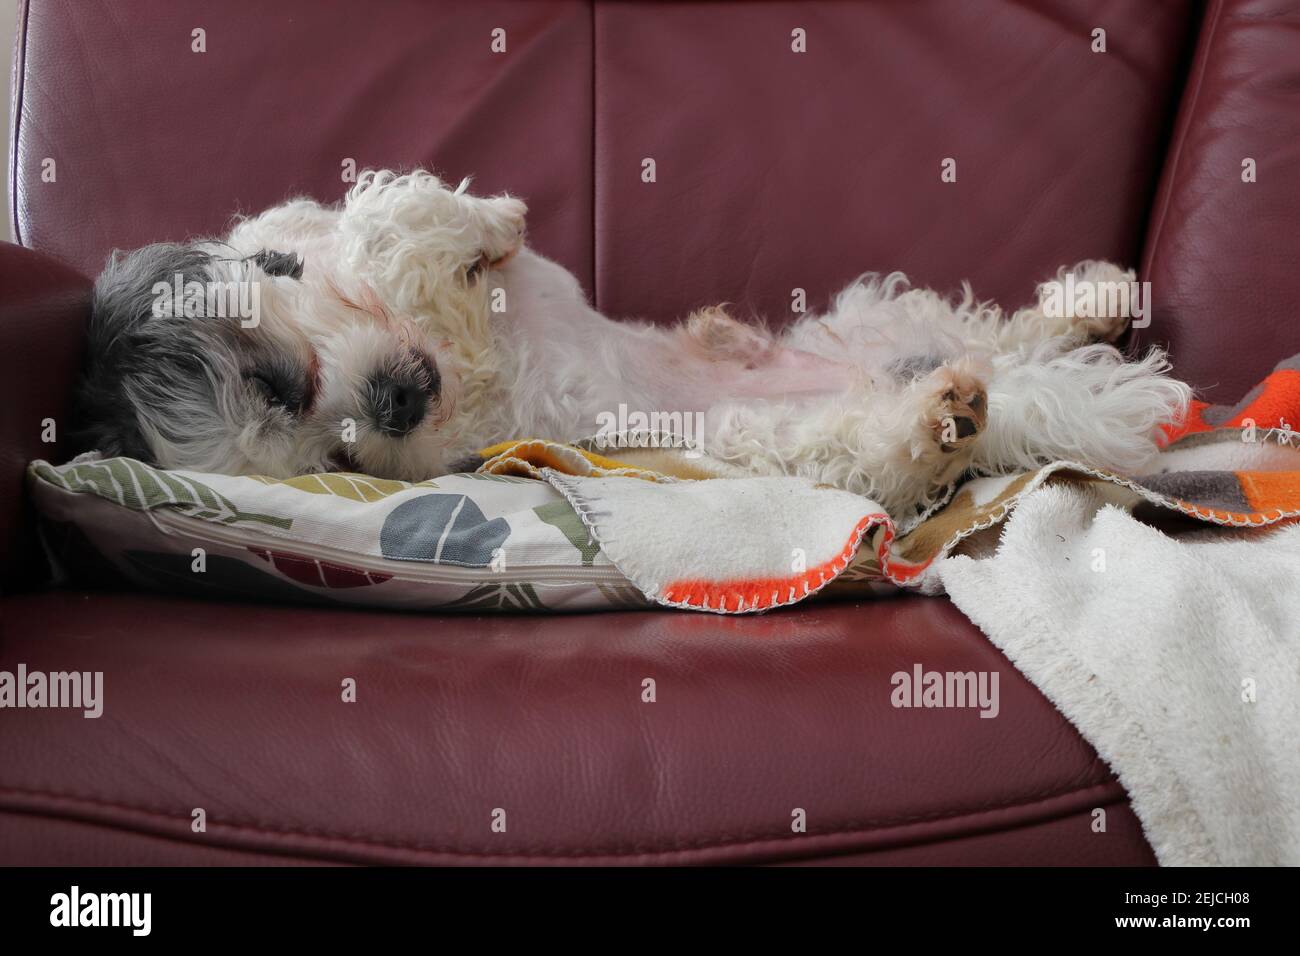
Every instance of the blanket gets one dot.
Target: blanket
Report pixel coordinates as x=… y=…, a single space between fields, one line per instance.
x=1156 y=611
x=1176 y=655
x=744 y=544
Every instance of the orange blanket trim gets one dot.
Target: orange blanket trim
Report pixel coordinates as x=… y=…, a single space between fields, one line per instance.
x=765 y=593
x=1278 y=401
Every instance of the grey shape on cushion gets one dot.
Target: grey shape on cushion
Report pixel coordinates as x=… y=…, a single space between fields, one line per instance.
x=445 y=529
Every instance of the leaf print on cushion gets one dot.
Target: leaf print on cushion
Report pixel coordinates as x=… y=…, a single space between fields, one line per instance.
x=624 y=596
x=497 y=597
x=560 y=514
x=133 y=484
x=500 y=479
x=444 y=529
x=319 y=574
x=354 y=487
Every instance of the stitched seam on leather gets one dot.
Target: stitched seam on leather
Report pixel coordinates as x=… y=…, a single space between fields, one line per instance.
x=723 y=842
x=19 y=74
x=1182 y=131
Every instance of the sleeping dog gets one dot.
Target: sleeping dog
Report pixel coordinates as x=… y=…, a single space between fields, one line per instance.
x=400 y=332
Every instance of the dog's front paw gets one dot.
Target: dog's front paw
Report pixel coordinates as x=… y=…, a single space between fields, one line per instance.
x=956 y=406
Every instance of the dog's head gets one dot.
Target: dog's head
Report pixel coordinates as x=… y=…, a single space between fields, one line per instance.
x=204 y=360
x=235 y=357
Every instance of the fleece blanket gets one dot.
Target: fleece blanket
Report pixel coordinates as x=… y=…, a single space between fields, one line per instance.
x=739 y=545
x=729 y=546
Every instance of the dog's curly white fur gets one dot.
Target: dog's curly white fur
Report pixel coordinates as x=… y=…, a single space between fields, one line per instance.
x=406 y=329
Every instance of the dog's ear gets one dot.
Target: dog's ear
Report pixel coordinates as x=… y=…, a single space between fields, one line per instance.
x=288 y=264
x=124 y=342
x=500 y=225
x=484 y=264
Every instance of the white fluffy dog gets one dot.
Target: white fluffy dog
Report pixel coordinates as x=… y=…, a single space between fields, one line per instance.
x=401 y=332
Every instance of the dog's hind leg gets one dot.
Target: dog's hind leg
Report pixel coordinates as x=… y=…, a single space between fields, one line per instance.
x=898 y=443
x=1104 y=292
x=1088 y=405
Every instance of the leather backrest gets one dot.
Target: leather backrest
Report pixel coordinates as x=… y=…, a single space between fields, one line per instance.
x=774 y=169
x=779 y=170
x=154 y=141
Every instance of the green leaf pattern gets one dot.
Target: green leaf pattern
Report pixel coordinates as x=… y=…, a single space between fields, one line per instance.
x=345 y=485
x=560 y=515
x=134 y=485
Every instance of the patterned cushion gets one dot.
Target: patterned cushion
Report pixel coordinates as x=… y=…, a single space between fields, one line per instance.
x=470 y=541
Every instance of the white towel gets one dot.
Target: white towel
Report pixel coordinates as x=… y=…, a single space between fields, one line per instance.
x=1178 y=658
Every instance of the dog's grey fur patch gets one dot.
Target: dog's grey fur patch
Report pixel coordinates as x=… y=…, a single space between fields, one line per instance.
x=131 y=352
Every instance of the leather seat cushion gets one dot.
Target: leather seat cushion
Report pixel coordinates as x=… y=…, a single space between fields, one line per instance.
x=238 y=709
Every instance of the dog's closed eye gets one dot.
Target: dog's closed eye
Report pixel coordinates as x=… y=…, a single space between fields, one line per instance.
x=278 y=389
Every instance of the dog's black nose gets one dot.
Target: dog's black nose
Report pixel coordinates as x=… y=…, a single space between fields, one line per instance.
x=399 y=403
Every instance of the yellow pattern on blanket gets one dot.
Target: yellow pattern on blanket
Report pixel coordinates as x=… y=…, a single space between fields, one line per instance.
x=527 y=456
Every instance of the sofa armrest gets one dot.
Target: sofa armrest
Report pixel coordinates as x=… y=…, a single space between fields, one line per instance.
x=44 y=305
x=1221 y=245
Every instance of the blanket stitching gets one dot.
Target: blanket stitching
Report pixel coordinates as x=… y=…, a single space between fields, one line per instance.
x=1247 y=520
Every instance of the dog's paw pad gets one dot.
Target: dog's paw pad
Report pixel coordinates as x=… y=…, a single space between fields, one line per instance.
x=957 y=409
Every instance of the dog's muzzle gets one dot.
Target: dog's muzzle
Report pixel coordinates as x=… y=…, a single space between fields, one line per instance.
x=399 y=401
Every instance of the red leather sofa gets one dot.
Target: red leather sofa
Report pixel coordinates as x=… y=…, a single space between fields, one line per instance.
x=776 y=170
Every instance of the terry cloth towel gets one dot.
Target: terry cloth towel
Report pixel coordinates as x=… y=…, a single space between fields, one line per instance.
x=1176 y=656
